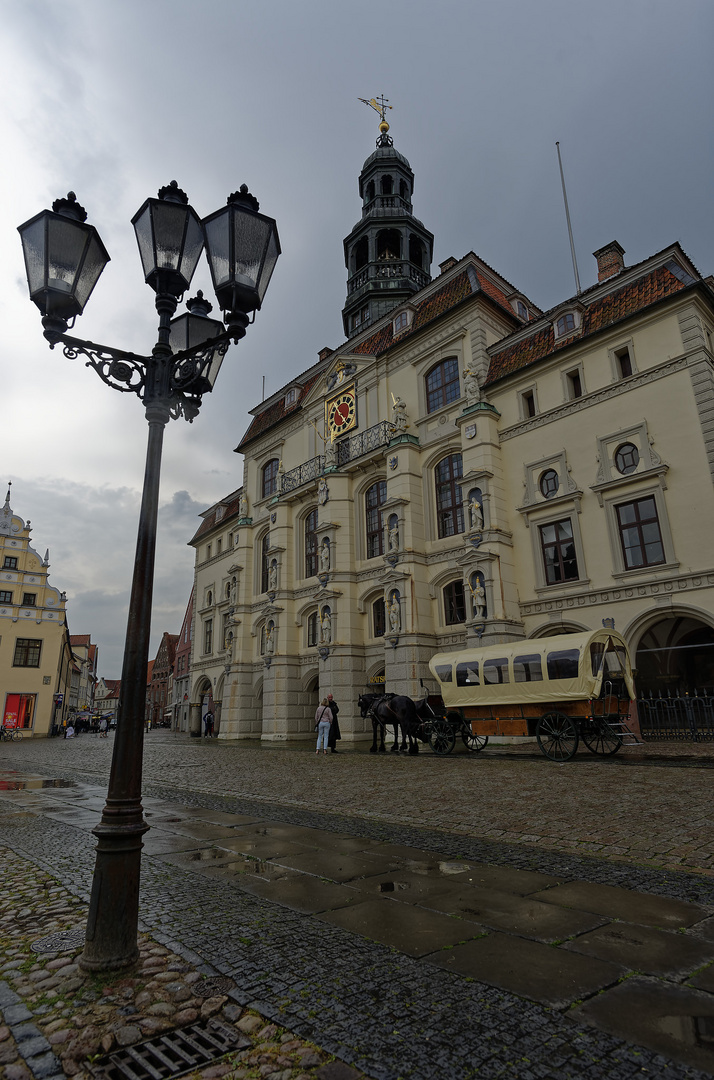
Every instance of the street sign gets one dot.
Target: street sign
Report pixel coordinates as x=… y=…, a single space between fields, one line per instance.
x=58 y=699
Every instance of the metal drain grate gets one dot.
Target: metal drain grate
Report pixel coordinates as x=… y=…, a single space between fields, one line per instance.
x=213 y=987
x=172 y=1053
x=63 y=941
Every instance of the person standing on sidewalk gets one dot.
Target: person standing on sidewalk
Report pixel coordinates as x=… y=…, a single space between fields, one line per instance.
x=323 y=721
x=334 y=726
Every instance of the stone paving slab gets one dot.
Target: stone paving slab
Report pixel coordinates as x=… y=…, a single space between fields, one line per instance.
x=704 y=980
x=624 y=904
x=412 y=930
x=157 y=843
x=528 y=968
x=679 y=1020
x=261 y=847
x=338 y=867
x=515 y=914
x=642 y=948
x=299 y=892
x=408 y=887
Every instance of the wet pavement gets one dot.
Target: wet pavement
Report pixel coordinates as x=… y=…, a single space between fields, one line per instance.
x=409 y=950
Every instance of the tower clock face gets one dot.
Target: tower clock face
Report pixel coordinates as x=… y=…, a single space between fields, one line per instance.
x=342 y=412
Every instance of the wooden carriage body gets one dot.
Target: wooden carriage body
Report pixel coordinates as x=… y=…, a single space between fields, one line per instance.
x=508 y=689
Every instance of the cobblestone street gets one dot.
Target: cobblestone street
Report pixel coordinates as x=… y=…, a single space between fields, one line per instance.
x=551 y=920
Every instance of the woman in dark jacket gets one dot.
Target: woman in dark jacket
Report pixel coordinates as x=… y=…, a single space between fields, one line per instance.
x=335 y=725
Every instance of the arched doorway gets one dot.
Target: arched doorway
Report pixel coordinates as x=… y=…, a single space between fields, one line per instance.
x=205 y=701
x=675 y=656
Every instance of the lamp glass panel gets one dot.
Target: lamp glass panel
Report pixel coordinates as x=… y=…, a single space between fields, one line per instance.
x=33 y=245
x=218 y=244
x=142 y=228
x=188 y=331
x=271 y=257
x=169 y=225
x=94 y=262
x=193 y=247
x=212 y=373
x=66 y=241
x=250 y=235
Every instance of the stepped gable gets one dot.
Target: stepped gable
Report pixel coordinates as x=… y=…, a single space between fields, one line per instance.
x=647 y=290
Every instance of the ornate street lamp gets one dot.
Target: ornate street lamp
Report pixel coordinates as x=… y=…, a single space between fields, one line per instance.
x=64 y=258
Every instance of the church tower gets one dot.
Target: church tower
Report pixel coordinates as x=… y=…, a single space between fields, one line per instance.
x=388 y=253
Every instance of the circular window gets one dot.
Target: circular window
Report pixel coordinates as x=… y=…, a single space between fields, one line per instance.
x=549 y=484
x=627 y=458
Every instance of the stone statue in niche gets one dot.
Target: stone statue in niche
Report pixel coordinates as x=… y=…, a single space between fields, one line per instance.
x=242 y=506
x=234 y=592
x=330 y=456
x=394 y=614
x=323 y=492
x=326 y=627
x=475 y=513
x=400 y=420
x=269 y=642
x=393 y=537
x=273 y=576
x=478 y=597
x=472 y=390
x=324 y=557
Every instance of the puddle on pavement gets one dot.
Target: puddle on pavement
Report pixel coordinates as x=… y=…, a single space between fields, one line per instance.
x=31 y=785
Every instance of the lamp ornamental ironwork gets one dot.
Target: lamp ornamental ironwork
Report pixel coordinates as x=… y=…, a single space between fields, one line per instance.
x=64 y=258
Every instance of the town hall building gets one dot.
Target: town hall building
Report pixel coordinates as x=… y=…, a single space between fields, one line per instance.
x=465 y=468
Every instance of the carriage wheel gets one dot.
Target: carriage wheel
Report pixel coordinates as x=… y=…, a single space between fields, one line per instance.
x=601 y=739
x=442 y=737
x=471 y=741
x=557 y=736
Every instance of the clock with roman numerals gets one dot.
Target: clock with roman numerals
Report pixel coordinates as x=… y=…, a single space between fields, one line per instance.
x=341 y=412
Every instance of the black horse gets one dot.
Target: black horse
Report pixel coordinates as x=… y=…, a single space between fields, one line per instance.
x=395 y=711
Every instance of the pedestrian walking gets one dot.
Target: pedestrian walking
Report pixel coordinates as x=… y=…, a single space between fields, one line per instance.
x=323 y=720
x=208 y=725
x=334 y=726
x=103 y=728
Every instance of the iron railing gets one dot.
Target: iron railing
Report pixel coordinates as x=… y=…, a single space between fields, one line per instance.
x=309 y=470
x=688 y=717
x=366 y=441
x=400 y=268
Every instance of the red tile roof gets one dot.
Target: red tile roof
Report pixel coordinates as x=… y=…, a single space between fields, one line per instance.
x=614 y=306
x=276 y=412
x=209 y=522
x=80 y=639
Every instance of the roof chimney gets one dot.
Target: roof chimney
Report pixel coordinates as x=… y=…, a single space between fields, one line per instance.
x=324 y=353
x=447 y=264
x=609 y=260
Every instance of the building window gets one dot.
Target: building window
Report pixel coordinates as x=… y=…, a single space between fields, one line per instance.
x=208 y=551
x=565 y=324
x=291 y=396
x=5 y=597
x=264 y=563
x=558 y=548
x=528 y=404
x=208 y=636
x=10 y=563
x=574 y=384
x=375 y=498
x=19 y=710
x=219 y=546
x=27 y=652
x=549 y=484
x=449 y=499
x=312 y=630
x=627 y=458
x=311 y=543
x=379 y=618
x=454 y=603
x=401 y=322
x=442 y=384
x=623 y=361
x=29 y=599
x=640 y=533
x=270 y=477
x=230 y=540
x=361 y=316
x=522 y=310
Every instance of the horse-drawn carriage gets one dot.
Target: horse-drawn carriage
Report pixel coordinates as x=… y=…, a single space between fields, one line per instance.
x=559 y=690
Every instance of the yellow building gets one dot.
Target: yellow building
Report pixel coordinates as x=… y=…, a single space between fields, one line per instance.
x=464 y=468
x=35 y=650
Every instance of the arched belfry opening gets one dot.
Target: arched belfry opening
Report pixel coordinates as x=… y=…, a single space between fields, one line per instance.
x=389 y=252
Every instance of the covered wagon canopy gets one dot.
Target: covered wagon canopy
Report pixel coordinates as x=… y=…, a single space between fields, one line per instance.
x=568 y=667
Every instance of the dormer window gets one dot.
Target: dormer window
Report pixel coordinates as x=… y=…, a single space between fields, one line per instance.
x=522 y=310
x=291 y=396
x=401 y=321
x=565 y=324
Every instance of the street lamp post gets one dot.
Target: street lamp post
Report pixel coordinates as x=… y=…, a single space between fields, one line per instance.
x=64 y=258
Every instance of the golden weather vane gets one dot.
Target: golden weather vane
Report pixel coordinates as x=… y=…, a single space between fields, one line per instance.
x=379 y=105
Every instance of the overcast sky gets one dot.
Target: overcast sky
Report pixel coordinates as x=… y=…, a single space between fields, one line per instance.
x=114 y=98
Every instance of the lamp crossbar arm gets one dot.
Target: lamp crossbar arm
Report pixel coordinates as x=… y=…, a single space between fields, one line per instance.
x=123 y=371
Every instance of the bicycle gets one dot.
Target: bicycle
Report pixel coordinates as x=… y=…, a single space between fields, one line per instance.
x=9 y=734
